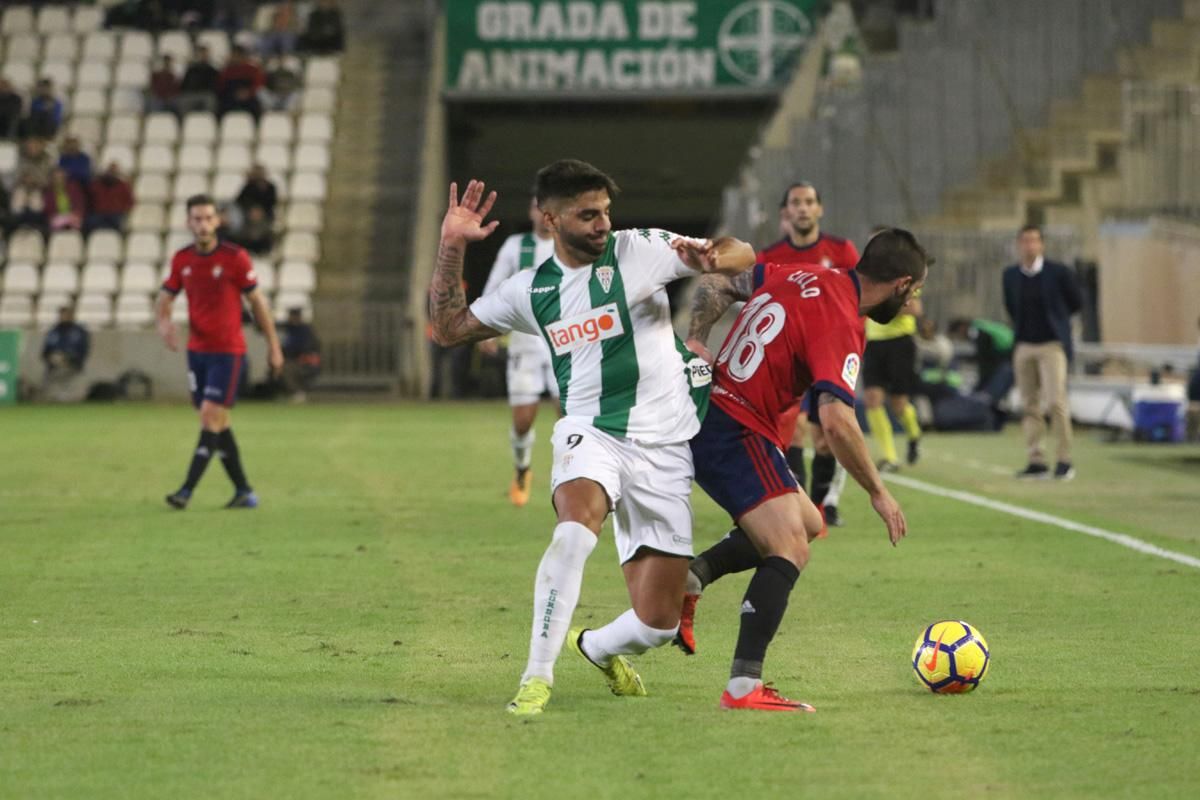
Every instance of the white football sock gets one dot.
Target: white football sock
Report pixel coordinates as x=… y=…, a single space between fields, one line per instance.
x=693 y=585
x=740 y=687
x=835 y=486
x=522 y=447
x=625 y=635
x=555 y=593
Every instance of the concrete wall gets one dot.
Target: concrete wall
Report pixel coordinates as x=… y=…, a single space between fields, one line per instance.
x=1149 y=282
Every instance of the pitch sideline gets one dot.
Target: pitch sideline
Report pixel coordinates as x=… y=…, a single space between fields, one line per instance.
x=1048 y=519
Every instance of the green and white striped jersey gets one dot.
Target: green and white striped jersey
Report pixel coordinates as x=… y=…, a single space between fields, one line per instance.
x=521 y=251
x=618 y=362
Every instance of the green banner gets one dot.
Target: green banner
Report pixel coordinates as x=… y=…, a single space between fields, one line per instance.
x=589 y=48
x=10 y=360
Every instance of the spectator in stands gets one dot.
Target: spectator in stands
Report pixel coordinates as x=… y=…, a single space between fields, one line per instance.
x=5 y=210
x=993 y=345
x=258 y=191
x=76 y=163
x=67 y=344
x=28 y=203
x=255 y=233
x=11 y=106
x=280 y=38
x=111 y=200
x=934 y=348
x=145 y=15
x=198 y=89
x=301 y=355
x=1041 y=296
x=324 y=33
x=45 y=111
x=282 y=85
x=36 y=159
x=66 y=202
x=163 y=94
x=239 y=84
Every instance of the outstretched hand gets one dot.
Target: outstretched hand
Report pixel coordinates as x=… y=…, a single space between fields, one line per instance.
x=726 y=255
x=889 y=511
x=465 y=220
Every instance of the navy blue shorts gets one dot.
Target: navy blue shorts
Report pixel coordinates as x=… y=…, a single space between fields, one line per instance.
x=215 y=377
x=737 y=467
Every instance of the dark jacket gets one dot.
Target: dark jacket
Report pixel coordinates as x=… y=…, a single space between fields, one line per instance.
x=69 y=338
x=1061 y=294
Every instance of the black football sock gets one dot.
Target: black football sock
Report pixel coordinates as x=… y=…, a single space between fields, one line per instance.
x=824 y=467
x=232 y=460
x=734 y=553
x=795 y=461
x=762 y=610
x=200 y=458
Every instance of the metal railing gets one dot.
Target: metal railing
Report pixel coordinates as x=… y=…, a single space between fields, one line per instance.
x=1160 y=159
x=362 y=343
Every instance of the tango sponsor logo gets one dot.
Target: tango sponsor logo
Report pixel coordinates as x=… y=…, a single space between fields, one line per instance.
x=596 y=325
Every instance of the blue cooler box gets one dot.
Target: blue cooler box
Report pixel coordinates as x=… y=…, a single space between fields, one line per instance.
x=1158 y=414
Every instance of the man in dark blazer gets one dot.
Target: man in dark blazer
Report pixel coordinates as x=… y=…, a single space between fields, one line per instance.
x=1041 y=296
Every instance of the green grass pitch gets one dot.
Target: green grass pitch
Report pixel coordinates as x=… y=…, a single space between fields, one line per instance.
x=360 y=633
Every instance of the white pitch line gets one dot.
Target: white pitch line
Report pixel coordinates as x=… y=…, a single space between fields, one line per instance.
x=1047 y=519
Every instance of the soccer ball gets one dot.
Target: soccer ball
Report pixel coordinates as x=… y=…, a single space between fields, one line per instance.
x=951 y=657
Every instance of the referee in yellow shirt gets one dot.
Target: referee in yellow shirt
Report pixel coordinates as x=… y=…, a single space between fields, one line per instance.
x=889 y=372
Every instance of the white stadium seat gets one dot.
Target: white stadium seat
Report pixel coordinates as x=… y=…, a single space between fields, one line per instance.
x=65 y=247
x=264 y=272
x=195 y=158
x=156 y=158
x=233 y=158
x=188 y=184
x=61 y=47
x=316 y=128
x=26 y=245
x=17 y=19
x=237 y=127
x=60 y=278
x=147 y=217
x=217 y=43
x=152 y=189
x=143 y=247
x=100 y=46
x=285 y=301
x=61 y=72
x=99 y=277
x=227 y=185
x=307 y=186
x=46 y=313
x=262 y=17
x=199 y=127
x=20 y=74
x=276 y=157
x=89 y=129
x=176 y=44
x=139 y=276
x=297 y=276
x=53 y=19
x=9 y=158
x=88 y=103
x=162 y=127
x=123 y=129
x=20 y=279
x=137 y=46
x=16 y=311
x=23 y=48
x=134 y=310
x=92 y=74
x=87 y=19
x=303 y=216
x=312 y=158
x=318 y=100
x=177 y=216
x=104 y=246
x=176 y=241
x=276 y=128
x=322 y=72
x=132 y=74
x=300 y=246
x=126 y=99
x=120 y=153
x=94 y=310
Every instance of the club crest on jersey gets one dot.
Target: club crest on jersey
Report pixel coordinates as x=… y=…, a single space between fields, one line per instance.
x=216 y=272
x=850 y=370
x=596 y=325
x=605 y=276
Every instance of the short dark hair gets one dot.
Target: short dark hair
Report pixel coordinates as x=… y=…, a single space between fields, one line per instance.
x=199 y=200
x=893 y=253
x=568 y=178
x=1027 y=228
x=798 y=185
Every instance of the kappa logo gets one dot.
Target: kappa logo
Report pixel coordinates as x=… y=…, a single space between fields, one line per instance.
x=850 y=369
x=542 y=289
x=605 y=276
x=596 y=325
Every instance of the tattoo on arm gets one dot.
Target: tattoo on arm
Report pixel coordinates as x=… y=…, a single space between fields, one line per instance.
x=453 y=322
x=715 y=294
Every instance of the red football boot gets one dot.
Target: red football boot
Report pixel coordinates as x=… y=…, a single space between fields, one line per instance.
x=763 y=698
x=685 y=640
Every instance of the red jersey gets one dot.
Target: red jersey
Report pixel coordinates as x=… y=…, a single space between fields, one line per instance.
x=828 y=251
x=800 y=329
x=214 y=283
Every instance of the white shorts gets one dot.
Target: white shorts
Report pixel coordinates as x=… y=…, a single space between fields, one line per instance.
x=649 y=487
x=529 y=376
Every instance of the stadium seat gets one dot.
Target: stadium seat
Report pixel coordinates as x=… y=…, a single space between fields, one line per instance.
x=177 y=215
x=162 y=127
x=87 y=103
x=300 y=246
x=100 y=46
x=98 y=277
x=17 y=19
x=316 y=128
x=227 y=185
x=26 y=245
x=233 y=158
x=94 y=310
x=312 y=158
x=179 y=311
x=217 y=43
x=20 y=279
x=195 y=158
x=156 y=158
x=60 y=278
x=132 y=74
x=61 y=72
x=307 y=186
x=176 y=241
x=303 y=216
x=237 y=127
x=276 y=128
x=120 y=153
x=297 y=276
x=199 y=127
x=143 y=247
x=134 y=310
x=20 y=74
x=275 y=157
x=322 y=73
x=139 y=276
x=126 y=100
x=152 y=189
x=9 y=157
x=104 y=246
x=87 y=19
x=92 y=74
x=176 y=44
x=318 y=100
x=89 y=129
x=264 y=273
x=53 y=19
x=26 y=49
x=148 y=218
x=188 y=184
x=61 y=47
x=123 y=129
x=45 y=314
x=137 y=46
x=65 y=247
x=16 y=311
x=285 y=301
x=262 y=17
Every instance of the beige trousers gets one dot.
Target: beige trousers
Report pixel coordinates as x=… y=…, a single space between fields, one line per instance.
x=1041 y=372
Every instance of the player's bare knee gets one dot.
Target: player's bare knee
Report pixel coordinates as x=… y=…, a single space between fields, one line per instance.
x=584 y=503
